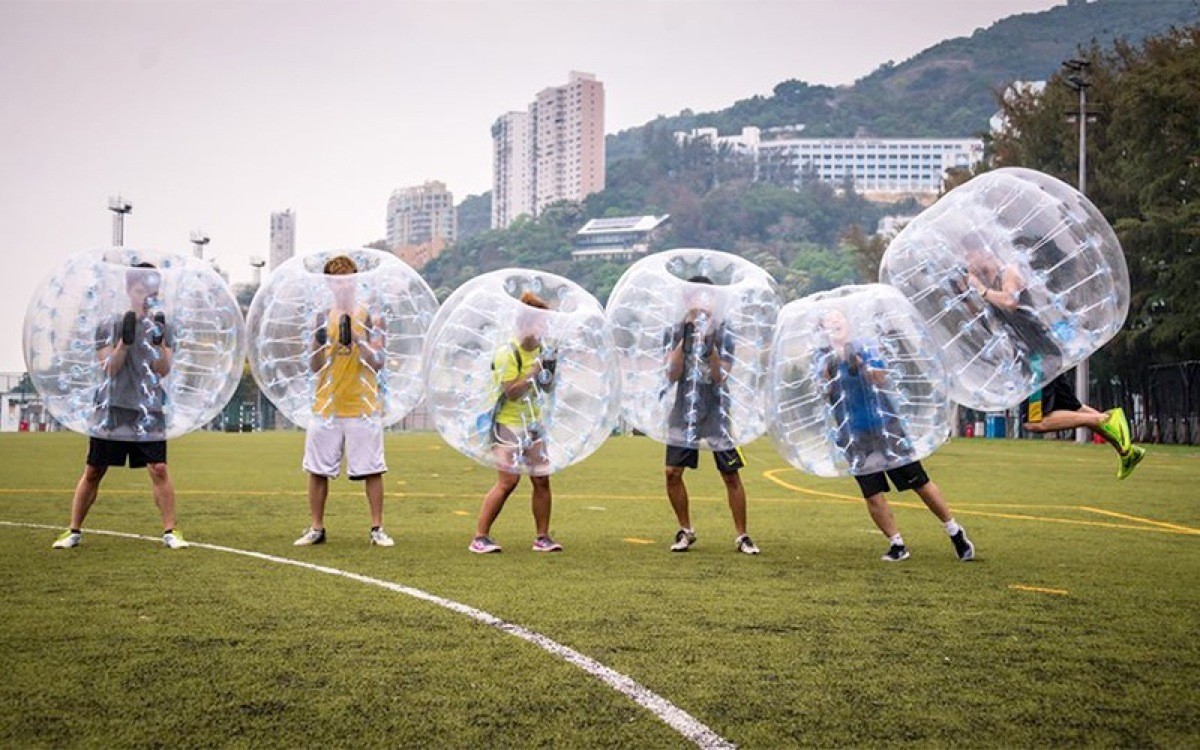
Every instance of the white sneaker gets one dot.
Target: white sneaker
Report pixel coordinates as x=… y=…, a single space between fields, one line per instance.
x=310 y=537
x=684 y=538
x=175 y=540
x=745 y=546
x=67 y=540
x=379 y=538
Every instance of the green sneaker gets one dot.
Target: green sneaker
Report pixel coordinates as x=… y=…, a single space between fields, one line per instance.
x=1116 y=428
x=1130 y=461
x=175 y=540
x=67 y=540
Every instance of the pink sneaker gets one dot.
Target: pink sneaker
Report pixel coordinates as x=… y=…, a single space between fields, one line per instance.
x=546 y=544
x=482 y=545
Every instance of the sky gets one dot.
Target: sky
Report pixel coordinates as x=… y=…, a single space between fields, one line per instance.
x=210 y=115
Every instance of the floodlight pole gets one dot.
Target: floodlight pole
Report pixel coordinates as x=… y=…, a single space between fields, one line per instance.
x=119 y=206
x=1078 y=81
x=199 y=240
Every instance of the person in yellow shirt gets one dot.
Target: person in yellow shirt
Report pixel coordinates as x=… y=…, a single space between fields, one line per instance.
x=347 y=353
x=524 y=370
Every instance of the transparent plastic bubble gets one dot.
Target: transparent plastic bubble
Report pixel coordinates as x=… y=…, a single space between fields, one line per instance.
x=134 y=354
x=855 y=383
x=693 y=355
x=341 y=345
x=1019 y=278
x=564 y=403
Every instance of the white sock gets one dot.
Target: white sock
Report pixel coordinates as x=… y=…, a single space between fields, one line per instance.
x=952 y=527
x=897 y=539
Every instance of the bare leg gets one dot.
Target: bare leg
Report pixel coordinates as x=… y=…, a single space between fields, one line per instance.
x=85 y=493
x=1068 y=420
x=541 y=504
x=881 y=514
x=318 y=492
x=735 y=492
x=494 y=501
x=678 y=495
x=164 y=493
x=933 y=498
x=373 y=485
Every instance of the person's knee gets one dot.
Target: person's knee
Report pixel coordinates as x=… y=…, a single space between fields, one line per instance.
x=93 y=474
x=158 y=472
x=674 y=474
x=539 y=483
x=733 y=480
x=508 y=482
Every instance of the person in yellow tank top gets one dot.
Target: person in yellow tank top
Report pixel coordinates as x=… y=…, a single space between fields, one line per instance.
x=524 y=370
x=347 y=352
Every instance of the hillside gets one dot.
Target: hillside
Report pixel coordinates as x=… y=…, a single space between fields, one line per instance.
x=947 y=90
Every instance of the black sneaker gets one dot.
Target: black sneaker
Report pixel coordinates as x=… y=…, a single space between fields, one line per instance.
x=895 y=553
x=684 y=538
x=962 y=546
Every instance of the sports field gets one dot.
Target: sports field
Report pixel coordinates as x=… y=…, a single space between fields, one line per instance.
x=1077 y=625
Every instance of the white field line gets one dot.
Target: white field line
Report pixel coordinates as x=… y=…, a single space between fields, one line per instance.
x=670 y=714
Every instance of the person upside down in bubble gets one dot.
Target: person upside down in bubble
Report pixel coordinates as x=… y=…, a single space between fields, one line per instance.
x=854 y=379
x=135 y=351
x=1054 y=406
x=524 y=370
x=346 y=354
x=699 y=358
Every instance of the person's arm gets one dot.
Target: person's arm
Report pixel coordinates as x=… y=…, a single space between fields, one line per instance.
x=518 y=385
x=720 y=355
x=675 y=355
x=320 y=345
x=162 y=341
x=370 y=346
x=1005 y=297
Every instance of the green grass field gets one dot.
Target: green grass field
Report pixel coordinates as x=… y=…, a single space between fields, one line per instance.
x=1077 y=626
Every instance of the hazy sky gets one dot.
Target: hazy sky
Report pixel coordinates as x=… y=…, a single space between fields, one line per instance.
x=210 y=115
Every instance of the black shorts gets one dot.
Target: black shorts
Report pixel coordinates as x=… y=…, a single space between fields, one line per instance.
x=728 y=462
x=103 y=452
x=1057 y=395
x=907 y=477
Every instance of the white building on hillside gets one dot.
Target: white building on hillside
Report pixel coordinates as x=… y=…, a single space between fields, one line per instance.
x=283 y=237
x=617 y=237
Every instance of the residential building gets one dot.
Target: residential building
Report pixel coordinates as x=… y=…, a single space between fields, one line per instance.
x=883 y=167
x=617 y=237
x=421 y=222
x=283 y=237
x=552 y=152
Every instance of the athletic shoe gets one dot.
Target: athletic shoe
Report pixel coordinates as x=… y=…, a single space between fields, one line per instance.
x=1130 y=461
x=379 y=538
x=482 y=545
x=310 y=537
x=546 y=544
x=895 y=553
x=175 y=540
x=1116 y=427
x=745 y=546
x=962 y=546
x=684 y=538
x=67 y=540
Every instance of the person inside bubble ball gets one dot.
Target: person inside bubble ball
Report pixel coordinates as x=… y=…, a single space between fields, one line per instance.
x=699 y=357
x=850 y=373
x=135 y=352
x=524 y=370
x=347 y=352
x=1056 y=407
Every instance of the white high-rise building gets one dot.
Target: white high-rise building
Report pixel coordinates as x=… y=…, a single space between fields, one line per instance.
x=554 y=152
x=512 y=167
x=283 y=237
x=421 y=222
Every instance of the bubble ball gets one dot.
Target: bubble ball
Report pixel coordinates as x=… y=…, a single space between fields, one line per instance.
x=345 y=344
x=693 y=353
x=1019 y=278
x=561 y=404
x=131 y=353
x=855 y=384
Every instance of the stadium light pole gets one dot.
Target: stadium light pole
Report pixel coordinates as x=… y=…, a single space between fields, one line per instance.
x=119 y=206
x=1077 y=80
x=199 y=240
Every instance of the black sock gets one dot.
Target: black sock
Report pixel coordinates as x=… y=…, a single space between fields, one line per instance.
x=376 y=528
x=76 y=531
x=168 y=531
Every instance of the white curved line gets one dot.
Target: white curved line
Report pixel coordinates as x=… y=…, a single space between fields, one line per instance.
x=670 y=714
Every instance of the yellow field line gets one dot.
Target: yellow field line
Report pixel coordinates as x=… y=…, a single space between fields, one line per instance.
x=1038 y=589
x=1159 y=527
x=1139 y=519
x=634 y=540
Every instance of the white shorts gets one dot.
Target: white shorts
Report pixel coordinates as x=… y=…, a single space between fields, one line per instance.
x=360 y=439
